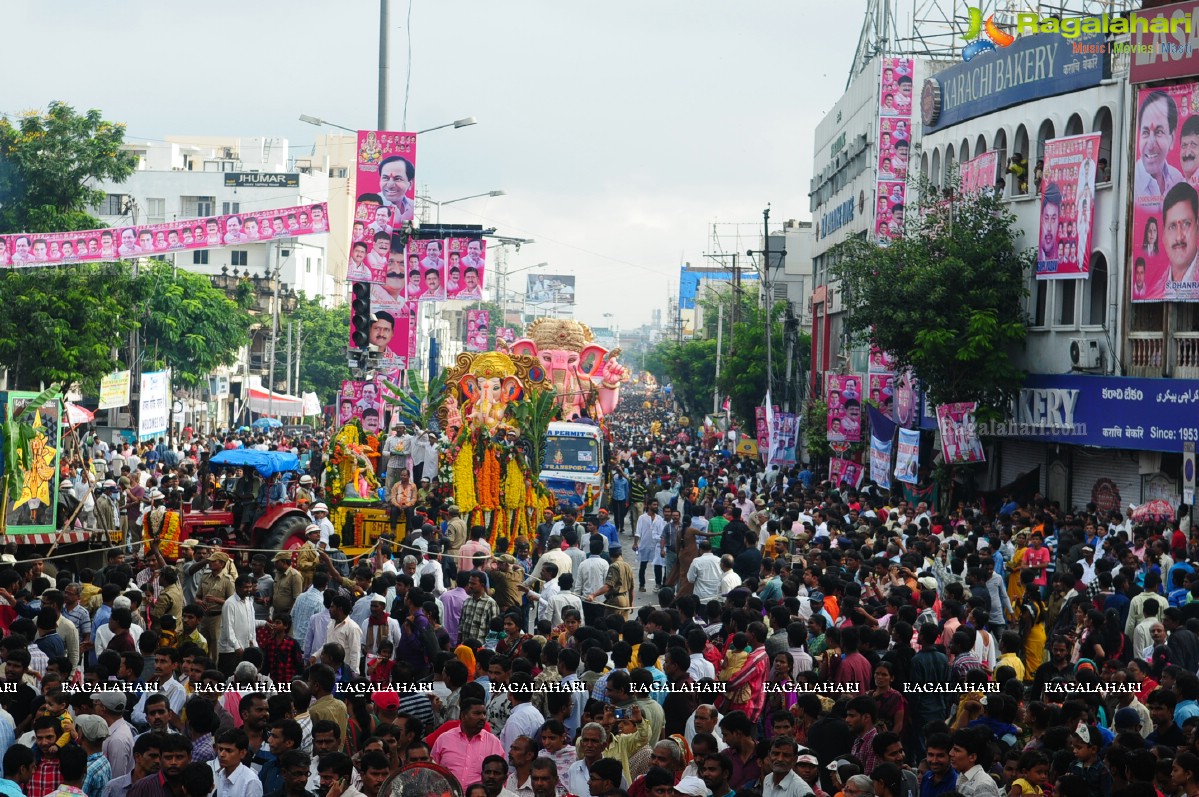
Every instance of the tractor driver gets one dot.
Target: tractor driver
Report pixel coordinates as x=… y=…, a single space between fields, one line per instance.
x=246 y=499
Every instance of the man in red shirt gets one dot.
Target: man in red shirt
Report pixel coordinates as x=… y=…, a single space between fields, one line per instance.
x=855 y=668
x=47 y=775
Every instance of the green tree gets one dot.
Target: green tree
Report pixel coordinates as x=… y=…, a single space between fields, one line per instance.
x=63 y=324
x=187 y=324
x=743 y=366
x=690 y=367
x=326 y=335
x=49 y=164
x=947 y=299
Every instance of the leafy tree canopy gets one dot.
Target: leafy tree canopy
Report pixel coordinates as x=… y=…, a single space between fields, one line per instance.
x=49 y=165
x=947 y=299
x=325 y=333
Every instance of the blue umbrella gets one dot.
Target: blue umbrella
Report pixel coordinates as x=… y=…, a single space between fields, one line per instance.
x=267 y=423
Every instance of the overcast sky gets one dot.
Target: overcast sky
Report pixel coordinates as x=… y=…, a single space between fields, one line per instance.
x=620 y=130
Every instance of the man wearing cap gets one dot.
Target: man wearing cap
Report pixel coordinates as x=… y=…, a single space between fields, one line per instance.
x=118 y=747
x=320 y=516
x=106 y=507
x=308 y=556
x=90 y=733
x=379 y=627
x=216 y=587
x=304 y=494
x=288 y=584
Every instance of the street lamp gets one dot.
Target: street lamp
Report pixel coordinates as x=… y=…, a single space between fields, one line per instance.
x=460 y=199
x=313 y=120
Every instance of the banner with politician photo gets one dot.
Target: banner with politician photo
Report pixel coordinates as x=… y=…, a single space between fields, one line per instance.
x=426 y=269
x=895 y=89
x=465 y=267
x=890 y=213
x=1067 y=207
x=881 y=362
x=979 y=174
x=551 y=290
x=361 y=401
x=26 y=250
x=907 y=456
x=959 y=433
x=894 y=148
x=784 y=440
x=844 y=394
x=845 y=471
x=478 y=328
x=882 y=393
x=1165 y=203
x=506 y=334
x=386 y=172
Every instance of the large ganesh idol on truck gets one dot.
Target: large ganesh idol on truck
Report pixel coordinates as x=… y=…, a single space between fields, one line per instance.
x=585 y=375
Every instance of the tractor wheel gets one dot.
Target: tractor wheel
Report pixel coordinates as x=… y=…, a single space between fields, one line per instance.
x=286 y=534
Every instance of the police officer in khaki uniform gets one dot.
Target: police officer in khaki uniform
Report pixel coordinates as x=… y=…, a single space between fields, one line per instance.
x=308 y=556
x=216 y=587
x=288 y=584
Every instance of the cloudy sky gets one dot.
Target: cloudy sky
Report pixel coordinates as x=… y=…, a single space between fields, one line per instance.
x=621 y=130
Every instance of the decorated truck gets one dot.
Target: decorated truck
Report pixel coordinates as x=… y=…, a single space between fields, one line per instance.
x=574 y=465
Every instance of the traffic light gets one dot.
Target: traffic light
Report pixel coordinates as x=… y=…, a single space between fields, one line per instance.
x=360 y=316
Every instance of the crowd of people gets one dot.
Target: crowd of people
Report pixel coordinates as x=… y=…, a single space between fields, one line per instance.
x=716 y=627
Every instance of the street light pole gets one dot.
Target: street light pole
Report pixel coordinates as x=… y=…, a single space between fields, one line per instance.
x=769 y=298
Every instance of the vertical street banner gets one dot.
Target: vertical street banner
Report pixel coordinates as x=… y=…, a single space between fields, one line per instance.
x=844 y=394
x=1068 y=207
x=114 y=390
x=979 y=173
x=478 y=325
x=362 y=401
x=907 y=457
x=465 y=268
x=381 y=319
x=33 y=509
x=894 y=147
x=1165 y=241
x=762 y=432
x=506 y=334
x=882 y=393
x=882 y=433
x=959 y=433
x=907 y=400
x=153 y=405
x=426 y=270
x=844 y=471
x=784 y=439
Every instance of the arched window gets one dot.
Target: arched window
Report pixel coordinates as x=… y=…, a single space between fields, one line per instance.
x=1074 y=125
x=1095 y=309
x=1103 y=126
x=999 y=144
x=924 y=165
x=1020 y=147
x=1045 y=133
x=950 y=166
x=936 y=174
x=964 y=151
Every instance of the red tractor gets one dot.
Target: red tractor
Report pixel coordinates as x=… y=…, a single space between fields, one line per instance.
x=256 y=510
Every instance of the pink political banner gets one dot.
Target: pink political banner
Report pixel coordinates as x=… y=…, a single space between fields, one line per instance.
x=1067 y=207
x=959 y=433
x=372 y=238
x=362 y=401
x=881 y=362
x=478 y=328
x=466 y=267
x=891 y=211
x=426 y=269
x=762 y=432
x=894 y=147
x=506 y=334
x=29 y=250
x=979 y=174
x=882 y=392
x=845 y=471
x=844 y=395
x=391 y=334
x=895 y=87
x=386 y=172
x=1164 y=196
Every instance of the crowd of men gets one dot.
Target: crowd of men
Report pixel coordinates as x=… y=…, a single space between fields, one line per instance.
x=714 y=628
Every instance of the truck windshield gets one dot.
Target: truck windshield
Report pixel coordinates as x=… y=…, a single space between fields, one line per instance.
x=572 y=454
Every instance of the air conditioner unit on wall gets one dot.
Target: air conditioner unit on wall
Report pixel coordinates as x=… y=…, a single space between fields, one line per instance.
x=1085 y=353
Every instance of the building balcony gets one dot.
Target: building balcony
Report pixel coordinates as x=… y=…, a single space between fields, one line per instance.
x=1152 y=354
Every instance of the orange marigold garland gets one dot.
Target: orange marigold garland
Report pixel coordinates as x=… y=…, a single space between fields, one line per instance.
x=489 y=480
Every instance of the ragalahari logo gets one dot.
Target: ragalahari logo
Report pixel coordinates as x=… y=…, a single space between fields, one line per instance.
x=996 y=37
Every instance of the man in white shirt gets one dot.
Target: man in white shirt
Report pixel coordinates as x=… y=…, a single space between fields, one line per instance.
x=237 y=624
x=548 y=591
x=165 y=683
x=782 y=780
x=729 y=580
x=704 y=573
x=344 y=631
x=525 y=719
x=233 y=778
x=373 y=627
